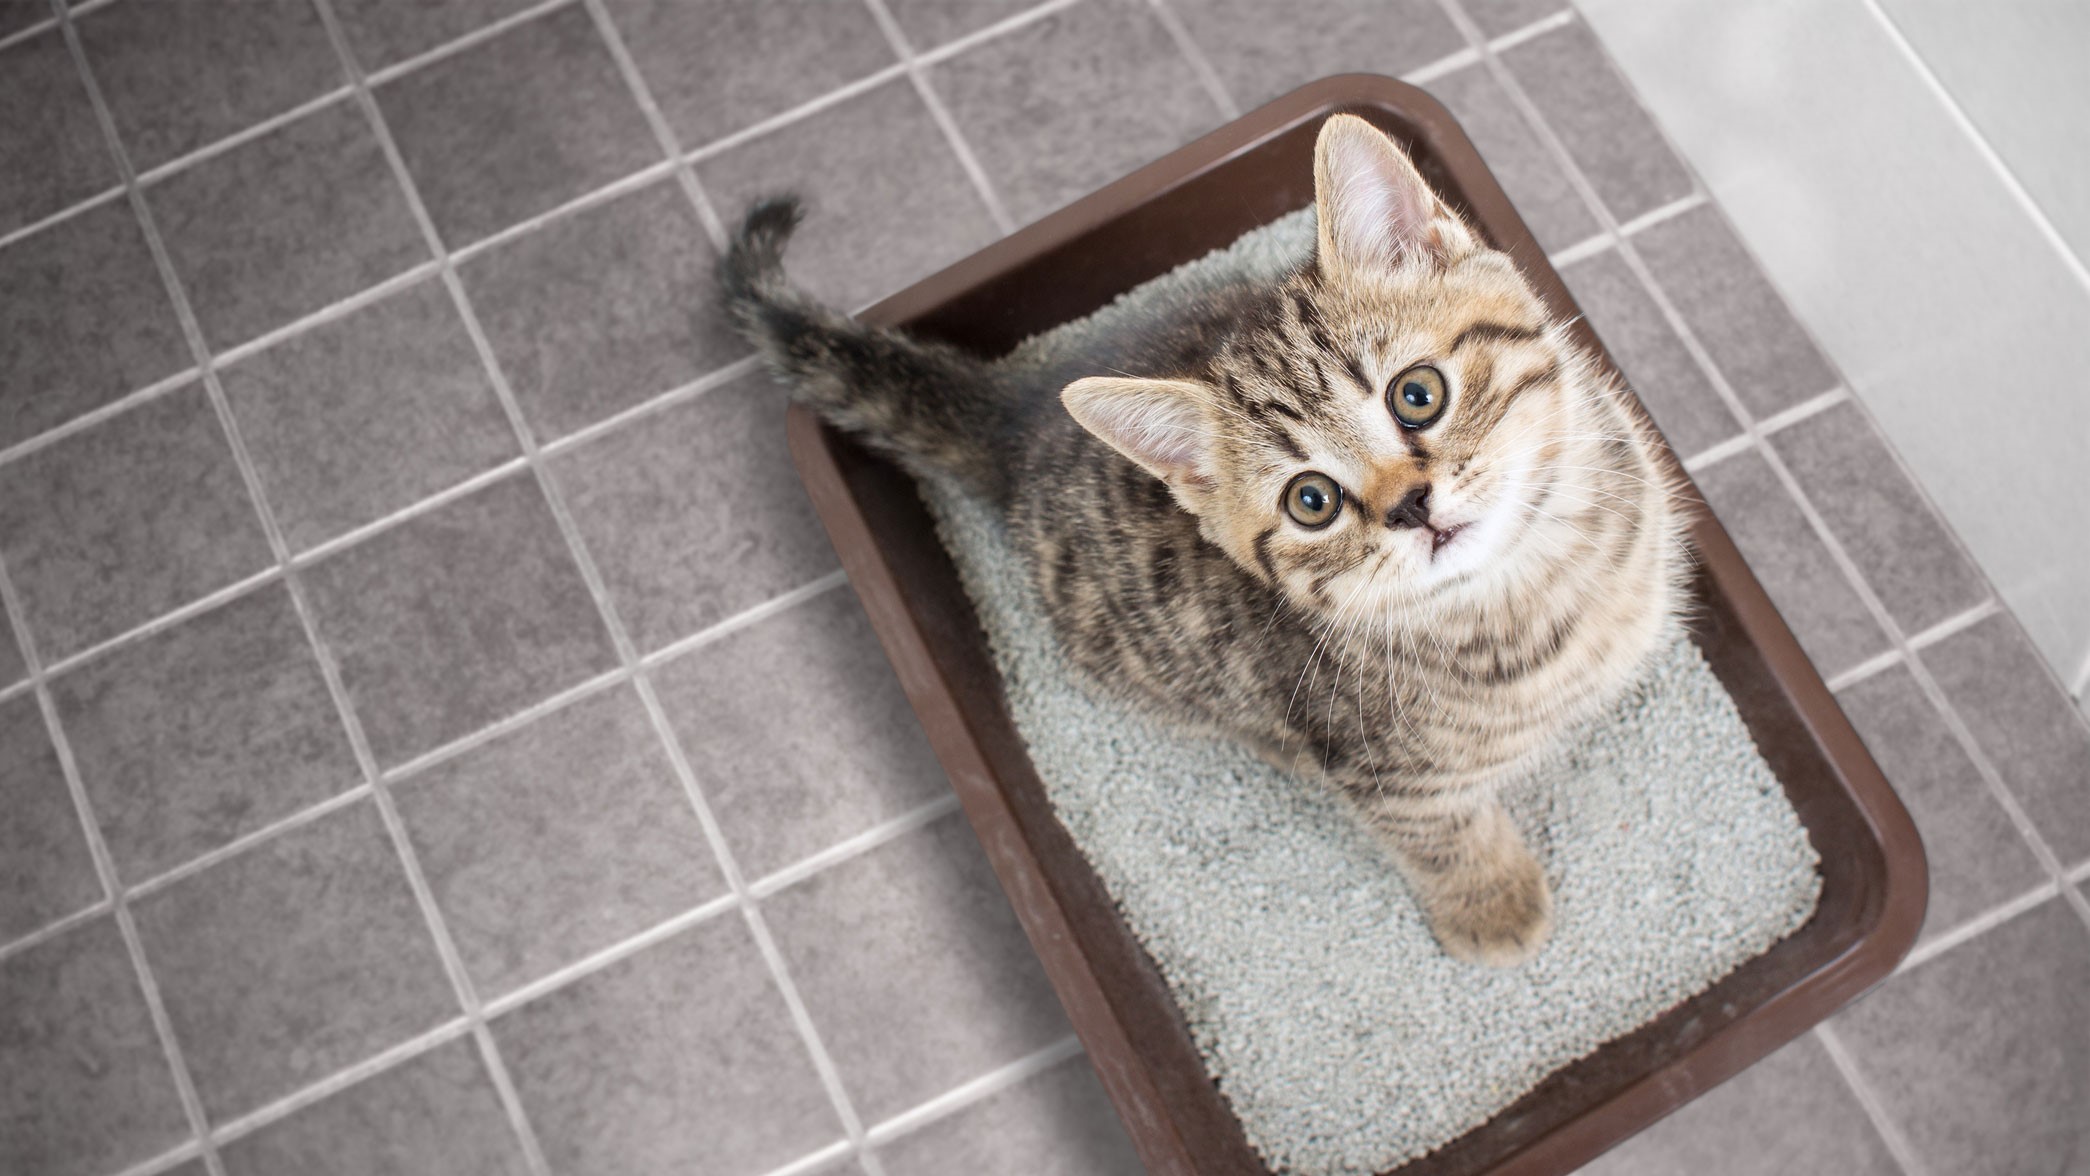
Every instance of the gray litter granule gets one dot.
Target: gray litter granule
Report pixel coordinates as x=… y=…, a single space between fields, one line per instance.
x=1343 y=1038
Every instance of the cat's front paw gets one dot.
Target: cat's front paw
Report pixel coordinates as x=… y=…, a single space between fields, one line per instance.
x=1501 y=921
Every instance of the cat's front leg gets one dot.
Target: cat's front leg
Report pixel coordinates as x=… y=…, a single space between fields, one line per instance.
x=1484 y=893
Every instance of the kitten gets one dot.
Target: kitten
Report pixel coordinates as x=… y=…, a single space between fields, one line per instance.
x=1390 y=479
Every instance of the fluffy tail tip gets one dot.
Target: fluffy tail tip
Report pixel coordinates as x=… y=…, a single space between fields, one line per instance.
x=756 y=256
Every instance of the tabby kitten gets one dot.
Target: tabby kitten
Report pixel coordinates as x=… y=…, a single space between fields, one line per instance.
x=1382 y=521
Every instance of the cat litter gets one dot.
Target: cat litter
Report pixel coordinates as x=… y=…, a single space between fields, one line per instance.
x=1344 y=1039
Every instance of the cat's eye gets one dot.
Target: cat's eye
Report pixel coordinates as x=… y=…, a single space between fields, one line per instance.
x=1416 y=396
x=1313 y=499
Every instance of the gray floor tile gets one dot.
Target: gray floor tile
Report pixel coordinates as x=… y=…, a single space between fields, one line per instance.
x=887 y=200
x=180 y=74
x=1730 y=306
x=1905 y=551
x=558 y=840
x=203 y=733
x=603 y=309
x=293 y=959
x=1610 y=137
x=16 y=15
x=124 y=521
x=1063 y=106
x=45 y=870
x=1790 y=1113
x=2025 y=724
x=516 y=126
x=1657 y=368
x=1977 y=859
x=716 y=68
x=1982 y=1055
x=1496 y=17
x=1822 y=608
x=1056 y=1123
x=368 y=414
x=386 y=32
x=914 y=969
x=711 y=1076
x=61 y=289
x=12 y=666
x=929 y=23
x=1260 y=54
x=783 y=788
x=693 y=513
x=1555 y=213
x=286 y=224
x=59 y=157
x=436 y=1113
x=84 y=1084
x=458 y=617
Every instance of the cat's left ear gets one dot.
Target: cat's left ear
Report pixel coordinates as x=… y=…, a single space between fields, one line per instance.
x=1374 y=209
x=1163 y=425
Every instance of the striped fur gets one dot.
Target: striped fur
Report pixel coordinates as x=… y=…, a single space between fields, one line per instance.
x=1411 y=667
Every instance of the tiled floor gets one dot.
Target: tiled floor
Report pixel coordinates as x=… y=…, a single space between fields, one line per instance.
x=434 y=735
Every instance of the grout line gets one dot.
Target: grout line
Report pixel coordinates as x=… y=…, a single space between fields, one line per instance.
x=1955 y=624
x=984 y=1086
x=413 y=276
x=96 y=416
x=243 y=136
x=1837 y=553
x=2081 y=873
x=105 y=196
x=1977 y=925
x=10 y=693
x=623 y=949
x=301 y=560
x=2081 y=686
x=342 y=1079
x=919 y=75
x=247 y=841
x=473 y=39
x=670 y=145
x=1666 y=212
x=1581 y=250
x=1898 y=1145
x=746 y=618
x=627 y=657
x=1532 y=31
x=52 y=930
x=666 y=400
x=1877 y=664
x=854 y=846
x=1787 y=417
x=815 y=1161
x=993 y=32
x=623 y=185
x=1714 y=454
x=1452 y=63
x=1200 y=64
x=23 y=34
x=167 y=620
x=506 y=725
x=98 y=848
x=799 y=113
x=1988 y=153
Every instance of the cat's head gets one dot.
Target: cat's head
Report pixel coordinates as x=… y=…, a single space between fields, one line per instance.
x=1404 y=422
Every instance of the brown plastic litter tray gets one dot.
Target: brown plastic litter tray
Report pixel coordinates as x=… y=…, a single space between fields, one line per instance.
x=1243 y=175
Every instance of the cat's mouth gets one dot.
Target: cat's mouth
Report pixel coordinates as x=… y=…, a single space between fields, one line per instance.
x=1441 y=539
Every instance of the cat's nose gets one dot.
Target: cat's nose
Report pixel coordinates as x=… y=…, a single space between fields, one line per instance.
x=1413 y=510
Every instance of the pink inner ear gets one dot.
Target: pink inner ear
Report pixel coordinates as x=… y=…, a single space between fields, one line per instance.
x=1154 y=422
x=1378 y=207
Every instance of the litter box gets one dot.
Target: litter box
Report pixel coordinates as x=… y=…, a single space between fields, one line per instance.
x=1200 y=198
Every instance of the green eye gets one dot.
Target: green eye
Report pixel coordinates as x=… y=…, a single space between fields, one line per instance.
x=1313 y=499
x=1416 y=396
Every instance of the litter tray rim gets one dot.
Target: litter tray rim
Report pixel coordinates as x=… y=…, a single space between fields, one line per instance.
x=1141 y=1050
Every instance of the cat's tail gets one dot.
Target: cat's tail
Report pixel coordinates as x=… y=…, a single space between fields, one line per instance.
x=935 y=408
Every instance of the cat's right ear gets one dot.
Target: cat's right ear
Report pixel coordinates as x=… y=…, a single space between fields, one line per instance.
x=1375 y=211
x=1160 y=424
